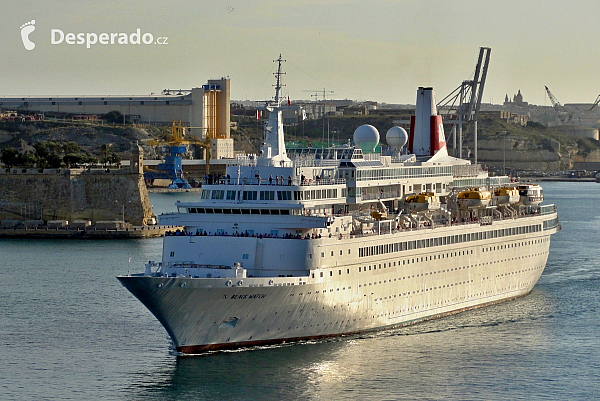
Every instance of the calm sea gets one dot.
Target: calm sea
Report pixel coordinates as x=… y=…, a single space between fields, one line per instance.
x=69 y=330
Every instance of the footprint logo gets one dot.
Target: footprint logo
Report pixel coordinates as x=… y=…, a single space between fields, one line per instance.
x=26 y=29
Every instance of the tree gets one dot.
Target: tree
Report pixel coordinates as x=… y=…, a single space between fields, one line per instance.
x=9 y=156
x=71 y=148
x=114 y=116
x=105 y=149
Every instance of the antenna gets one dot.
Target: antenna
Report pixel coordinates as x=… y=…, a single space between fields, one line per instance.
x=278 y=75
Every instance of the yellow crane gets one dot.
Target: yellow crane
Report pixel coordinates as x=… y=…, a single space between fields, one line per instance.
x=177 y=140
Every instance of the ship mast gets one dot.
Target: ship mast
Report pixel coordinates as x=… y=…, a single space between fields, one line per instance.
x=278 y=75
x=273 y=152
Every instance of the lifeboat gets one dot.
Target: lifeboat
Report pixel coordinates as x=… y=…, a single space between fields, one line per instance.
x=422 y=202
x=506 y=196
x=530 y=194
x=474 y=198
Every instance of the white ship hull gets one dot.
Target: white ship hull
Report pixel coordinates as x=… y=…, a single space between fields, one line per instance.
x=208 y=314
x=259 y=263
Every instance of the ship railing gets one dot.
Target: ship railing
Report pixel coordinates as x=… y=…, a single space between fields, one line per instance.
x=280 y=181
x=193 y=265
x=389 y=225
x=312 y=162
x=381 y=195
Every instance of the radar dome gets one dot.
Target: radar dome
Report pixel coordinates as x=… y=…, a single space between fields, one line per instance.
x=366 y=136
x=396 y=137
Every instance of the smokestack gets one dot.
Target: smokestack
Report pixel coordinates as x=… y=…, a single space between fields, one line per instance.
x=426 y=136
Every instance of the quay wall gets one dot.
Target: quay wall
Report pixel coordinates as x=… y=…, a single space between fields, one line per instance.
x=74 y=194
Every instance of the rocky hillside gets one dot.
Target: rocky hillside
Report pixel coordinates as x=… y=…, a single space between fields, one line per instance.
x=534 y=147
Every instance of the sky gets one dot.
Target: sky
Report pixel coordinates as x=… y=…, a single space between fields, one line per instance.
x=379 y=50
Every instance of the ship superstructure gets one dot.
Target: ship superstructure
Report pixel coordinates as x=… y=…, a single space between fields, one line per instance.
x=312 y=243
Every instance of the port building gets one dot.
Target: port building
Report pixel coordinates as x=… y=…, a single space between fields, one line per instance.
x=206 y=107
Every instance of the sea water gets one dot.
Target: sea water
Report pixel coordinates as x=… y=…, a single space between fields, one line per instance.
x=69 y=330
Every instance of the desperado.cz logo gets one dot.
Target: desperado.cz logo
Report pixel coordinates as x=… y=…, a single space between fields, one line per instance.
x=89 y=39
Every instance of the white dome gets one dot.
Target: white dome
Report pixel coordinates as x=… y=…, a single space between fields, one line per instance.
x=366 y=134
x=396 y=137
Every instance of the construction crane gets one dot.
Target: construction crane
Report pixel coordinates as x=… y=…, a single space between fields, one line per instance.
x=595 y=103
x=174 y=146
x=555 y=103
x=565 y=116
x=464 y=102
x=318 y=92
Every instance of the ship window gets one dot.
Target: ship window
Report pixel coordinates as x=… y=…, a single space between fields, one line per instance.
x=205 y=194
x=208 y=210
x=218 y=211
x=284 y=211
x=172 y=253
x=267 y=195
x=245 y=256
x=254 y=211
x=264 y=211
x=218 y=194
x=231 y=195
x=226 y=211
x=274 y=211
x=249 y=195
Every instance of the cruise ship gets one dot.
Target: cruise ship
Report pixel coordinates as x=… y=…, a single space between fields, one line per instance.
x=300 y=244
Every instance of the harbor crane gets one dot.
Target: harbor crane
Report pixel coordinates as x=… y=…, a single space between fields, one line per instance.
x=595 y=103
x=464 y=102
x=567 y=116
x=174 y=146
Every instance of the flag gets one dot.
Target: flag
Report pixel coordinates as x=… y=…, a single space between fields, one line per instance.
x=258 y=114
x=303 y=114
x=289 y=103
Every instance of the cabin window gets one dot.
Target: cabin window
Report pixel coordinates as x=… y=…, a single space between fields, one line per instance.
x=245 y=256
x=284 y=195
x=254 y=211
x=218 y=194
x=231 y=195
x=249 y=195
x=267 y=195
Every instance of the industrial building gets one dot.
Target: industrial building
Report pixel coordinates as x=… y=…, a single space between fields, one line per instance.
x=205 y=108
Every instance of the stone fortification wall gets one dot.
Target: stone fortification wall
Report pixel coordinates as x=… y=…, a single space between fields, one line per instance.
x=74 y=194
x=522 y=155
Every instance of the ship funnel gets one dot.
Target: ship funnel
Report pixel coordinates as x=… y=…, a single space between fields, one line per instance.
x=426 y=137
